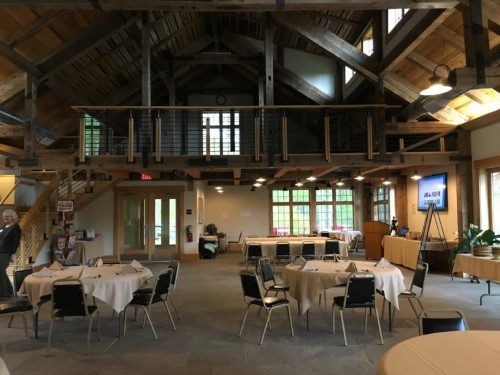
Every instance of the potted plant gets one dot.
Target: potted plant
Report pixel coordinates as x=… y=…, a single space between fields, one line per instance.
x=475 y=241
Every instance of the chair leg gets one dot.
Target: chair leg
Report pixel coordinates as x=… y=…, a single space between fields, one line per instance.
x=91 y=319
x=10 y=321
x=333 y=318
x=169 y=296
x=383 y=308
x=169 y=314
x=265 y=326
x=413 y=307
x=49 y=337
x=243 y=322
x=146 y=312
x=379 y=328
x=290 y=319
x=366 y=320
x=343 y=326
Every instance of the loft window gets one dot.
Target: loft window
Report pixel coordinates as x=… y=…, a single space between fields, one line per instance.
x=92 y=135
x=224 y=132
x=348 y=74
x=394 y=16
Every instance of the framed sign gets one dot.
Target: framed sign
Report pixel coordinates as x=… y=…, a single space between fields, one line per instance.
x=64 y=206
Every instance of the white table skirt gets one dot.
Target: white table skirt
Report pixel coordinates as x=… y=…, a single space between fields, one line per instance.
x=269 y=245
x=482 y=267
x=343 y=235
x=305 y=286
x=450 y=353
x=112 y=288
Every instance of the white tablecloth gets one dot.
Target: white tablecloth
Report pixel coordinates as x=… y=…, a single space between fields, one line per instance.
x=112 y=288
x=305 y=286
x=269 y=245
x=449 y=353
x=343 y=235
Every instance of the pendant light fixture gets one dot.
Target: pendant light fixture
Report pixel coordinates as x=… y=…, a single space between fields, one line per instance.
x=439 y=85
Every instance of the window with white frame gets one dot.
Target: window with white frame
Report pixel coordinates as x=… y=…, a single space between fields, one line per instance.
x=224 y=132
x=394 y=16
x=348 y=74
x=92 y=135
x=383 y=203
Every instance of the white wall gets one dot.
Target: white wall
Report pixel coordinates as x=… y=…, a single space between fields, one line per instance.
x=238 y=209
x=485 y=142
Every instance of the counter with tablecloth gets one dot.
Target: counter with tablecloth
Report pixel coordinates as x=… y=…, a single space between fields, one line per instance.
x=399 y=250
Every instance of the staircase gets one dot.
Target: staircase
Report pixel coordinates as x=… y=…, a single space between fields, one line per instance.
x=39 y=221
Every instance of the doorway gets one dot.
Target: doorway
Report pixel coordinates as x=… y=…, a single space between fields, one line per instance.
x=147 y=224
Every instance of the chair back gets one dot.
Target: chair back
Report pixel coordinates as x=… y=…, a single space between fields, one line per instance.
x=308 y=248
x=282 y=249
x=18 y=278
x=332 y=247
x=266 y=271
x=250 y=285
x=324 y=234
x=434 y=321
x=68 y=298
x=360 y=290
x=239 y=238
x=175 y=266
x=419 y=276
x=162 y=284
x=254 y=249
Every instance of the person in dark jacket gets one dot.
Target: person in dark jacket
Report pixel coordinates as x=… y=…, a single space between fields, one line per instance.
x=10 y=236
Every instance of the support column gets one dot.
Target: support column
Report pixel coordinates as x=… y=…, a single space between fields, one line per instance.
x=30 y=97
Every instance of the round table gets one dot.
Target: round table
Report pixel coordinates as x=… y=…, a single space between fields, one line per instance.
x=306 y=285
x=454 y=353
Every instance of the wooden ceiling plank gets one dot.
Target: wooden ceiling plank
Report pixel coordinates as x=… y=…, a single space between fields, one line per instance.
x=11 y=131
x=12 y=85
x=19 y=60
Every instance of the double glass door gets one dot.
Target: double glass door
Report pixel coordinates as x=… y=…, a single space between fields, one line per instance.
x=147 y=226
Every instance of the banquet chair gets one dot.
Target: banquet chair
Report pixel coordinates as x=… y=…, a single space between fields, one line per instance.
x=69 y=300
x=411 y=294
x=282 y=252
x=175 y=266
x=16 y=306
x=159 y=293
x=332 y=249
x=359 y=293
x=18 y=277
x=268 y=281
x=308 y=250
x=253 y=253
x=433 y=321
x=252 y=294
x=324 y=234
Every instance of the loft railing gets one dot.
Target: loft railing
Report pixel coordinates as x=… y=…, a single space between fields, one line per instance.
x=245 y=131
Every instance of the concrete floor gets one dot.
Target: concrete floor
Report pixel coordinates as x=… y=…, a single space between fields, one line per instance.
x=210 y=301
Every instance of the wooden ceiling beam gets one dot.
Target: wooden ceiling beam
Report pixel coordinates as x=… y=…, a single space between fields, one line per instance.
x=229 y=6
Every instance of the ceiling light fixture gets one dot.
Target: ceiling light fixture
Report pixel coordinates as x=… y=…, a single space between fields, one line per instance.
x=311 y=178
x=386 y=182
x=439 y=85
x=316 y=188
x=218 y=188
x=299 y=184
x=328 y=184
x=261 y=179
x=359 y=177
x=257 y=184
x=285 y=188
x=220 y=191
x=416 y=176
x=339 y=183
x=253 y=188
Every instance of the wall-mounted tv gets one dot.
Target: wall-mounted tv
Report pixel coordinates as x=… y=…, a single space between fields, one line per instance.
x=433 y=189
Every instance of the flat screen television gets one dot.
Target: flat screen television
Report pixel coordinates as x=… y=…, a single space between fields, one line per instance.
x=433 y=189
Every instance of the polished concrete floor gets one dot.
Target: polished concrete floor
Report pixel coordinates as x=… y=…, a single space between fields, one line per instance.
x=210 y=301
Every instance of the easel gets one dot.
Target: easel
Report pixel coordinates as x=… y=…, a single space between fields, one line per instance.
x=432 y=213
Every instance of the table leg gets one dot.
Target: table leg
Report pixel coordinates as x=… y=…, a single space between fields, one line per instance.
x=489 y=294
x=390 y=315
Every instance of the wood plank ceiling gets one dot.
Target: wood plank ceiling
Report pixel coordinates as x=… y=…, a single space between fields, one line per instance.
x=89 y=53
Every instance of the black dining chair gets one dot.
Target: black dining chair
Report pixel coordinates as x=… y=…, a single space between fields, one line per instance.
x=18 y=277
x=308 y=250
x=253 y=253
x=252 y=294
x=268 y=281
x=159 y=293
x=332 y=249
x=444 y=320
x=69 y=300
x=359 y=293
x=282 y=252
x=15 y=307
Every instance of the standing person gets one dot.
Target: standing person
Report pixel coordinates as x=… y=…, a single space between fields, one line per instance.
x=10 y=236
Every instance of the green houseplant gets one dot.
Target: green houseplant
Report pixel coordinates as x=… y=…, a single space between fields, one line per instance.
x=474 y=236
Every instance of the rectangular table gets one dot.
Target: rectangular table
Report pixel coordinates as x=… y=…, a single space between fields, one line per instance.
x=345 y=235
x=269 y=245
x=481 y=267
x=400 y=250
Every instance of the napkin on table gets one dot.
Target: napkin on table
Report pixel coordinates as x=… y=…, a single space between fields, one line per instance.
x=351 y=267
x=307 y=266
x=136 y=265
x=44 y=272
x=300 y=261
x=127 y=269
x=383 y=263
x=56 y=266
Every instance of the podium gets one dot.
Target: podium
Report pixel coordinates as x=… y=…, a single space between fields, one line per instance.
x=374 y=232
